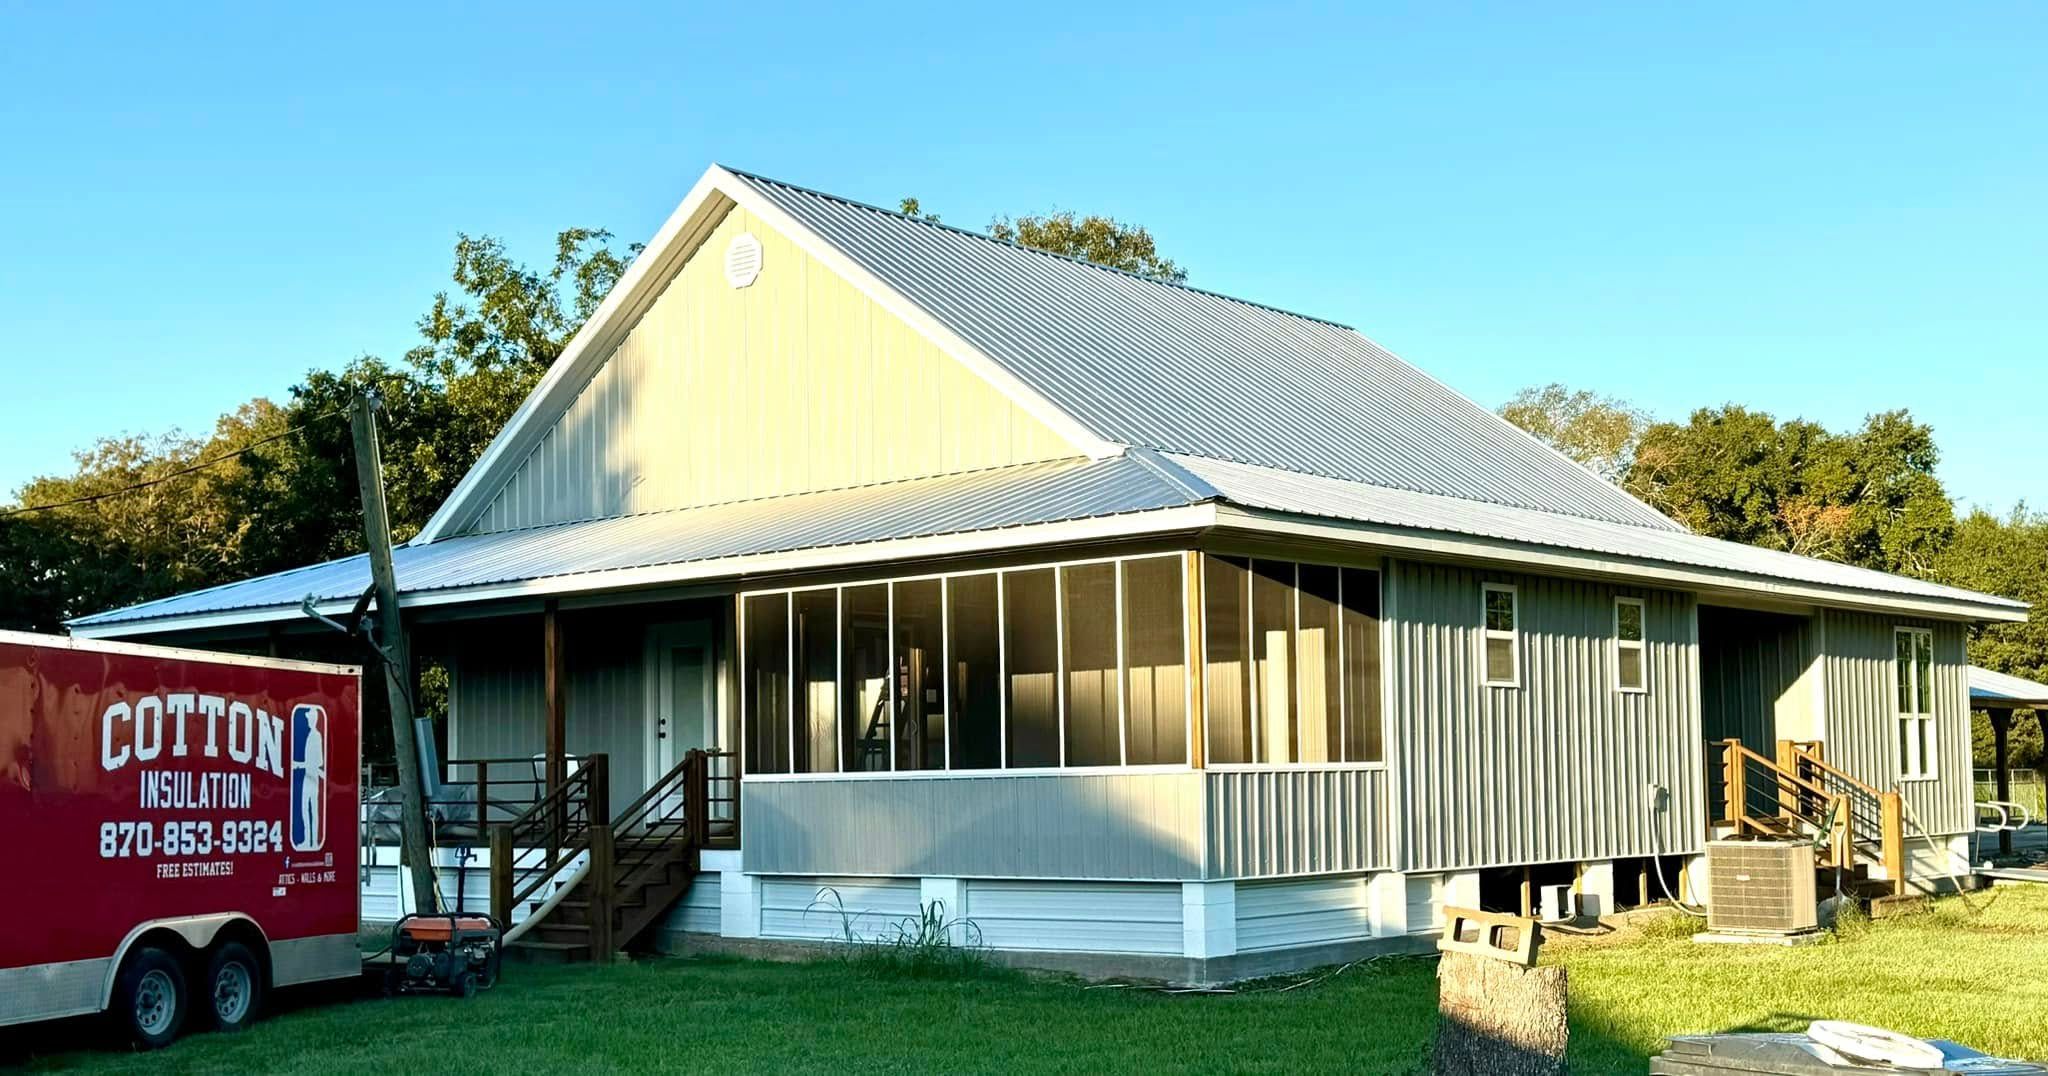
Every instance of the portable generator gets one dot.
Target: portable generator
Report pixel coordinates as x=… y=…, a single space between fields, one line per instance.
x=443 y=954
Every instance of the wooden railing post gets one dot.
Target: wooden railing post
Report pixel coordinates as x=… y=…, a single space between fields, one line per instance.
x=502 y=857
x=1735 y=788
x=1788 y=795
x=600 y=790
x=697 y=796
x=483 y=794
x=1895 y=841
x=1844 y=835
x=601 y=892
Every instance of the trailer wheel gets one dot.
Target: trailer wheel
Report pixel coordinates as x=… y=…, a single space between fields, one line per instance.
x=150 y=998
x=234 y=982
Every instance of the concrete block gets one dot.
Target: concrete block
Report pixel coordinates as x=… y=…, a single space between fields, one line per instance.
x=1596 y=888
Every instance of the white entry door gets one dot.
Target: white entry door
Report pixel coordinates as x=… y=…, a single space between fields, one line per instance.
x=684 y=700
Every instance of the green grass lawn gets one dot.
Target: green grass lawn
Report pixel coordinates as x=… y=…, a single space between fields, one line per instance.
x=1980 y=979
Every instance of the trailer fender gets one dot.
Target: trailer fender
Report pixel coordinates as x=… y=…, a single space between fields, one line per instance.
x=197 y=931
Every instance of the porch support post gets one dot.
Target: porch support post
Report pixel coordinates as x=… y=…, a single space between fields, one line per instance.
x=2001 y=729
x=1198 y=736
x=551 y=685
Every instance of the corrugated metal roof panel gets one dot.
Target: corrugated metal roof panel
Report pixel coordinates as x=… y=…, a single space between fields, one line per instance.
x=1997 y=687
x=1314 y=495
x=1141 y=362
x=955 y=504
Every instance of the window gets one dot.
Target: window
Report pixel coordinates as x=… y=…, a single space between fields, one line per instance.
x=863 y=689
x=766 y=682
x=1031 y=666
x=1630 y=671
x=1913 y=672
x=916 y=608
x=1292 y=663
x=1155 y=662
x=973 y=627
x=817 y=669
x=1501 y=656
x=1227 y=669
x=1077 y=664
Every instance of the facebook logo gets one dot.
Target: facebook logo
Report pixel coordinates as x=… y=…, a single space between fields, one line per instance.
x=309 y=777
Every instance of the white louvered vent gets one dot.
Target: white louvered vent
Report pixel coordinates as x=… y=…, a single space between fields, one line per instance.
x=742 y=260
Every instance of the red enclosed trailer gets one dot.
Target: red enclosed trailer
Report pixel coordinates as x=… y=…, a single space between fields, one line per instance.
x=177 y=831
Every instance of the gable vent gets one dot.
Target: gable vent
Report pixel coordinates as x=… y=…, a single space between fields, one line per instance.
x=742 y=260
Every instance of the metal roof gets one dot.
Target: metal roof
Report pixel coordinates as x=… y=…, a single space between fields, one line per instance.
x=955 y=504
x=1313 y=495
x=1147 y=363
x=1999 y=690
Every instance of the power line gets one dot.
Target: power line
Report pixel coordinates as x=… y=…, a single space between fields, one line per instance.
x=179 y=473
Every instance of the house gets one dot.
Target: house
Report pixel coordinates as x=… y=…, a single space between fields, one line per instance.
x=1142 y=627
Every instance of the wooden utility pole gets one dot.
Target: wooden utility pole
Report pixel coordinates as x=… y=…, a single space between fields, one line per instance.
x=397 y=660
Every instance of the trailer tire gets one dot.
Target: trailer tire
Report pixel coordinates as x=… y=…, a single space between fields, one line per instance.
x=151 y=997
x=234 y=987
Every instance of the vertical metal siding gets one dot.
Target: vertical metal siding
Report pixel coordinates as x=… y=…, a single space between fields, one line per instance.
x=1558 y=768
x=1267 y=823
x=1862 y=718
x=497 y=708
x=798 y=382
x=1125 y=826
x=1752 y=666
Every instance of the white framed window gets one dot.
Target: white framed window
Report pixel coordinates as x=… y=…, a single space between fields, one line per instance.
x=1631 y=656
x=1500 y=656
x=1913 y=676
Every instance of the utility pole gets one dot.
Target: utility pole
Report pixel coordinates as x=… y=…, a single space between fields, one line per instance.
x=396 y=658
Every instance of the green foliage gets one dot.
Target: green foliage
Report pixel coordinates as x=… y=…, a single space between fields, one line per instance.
x=1093 y=238
x=928 y=945
x=293 y=501
x=1868 y=498
x=1598 y=431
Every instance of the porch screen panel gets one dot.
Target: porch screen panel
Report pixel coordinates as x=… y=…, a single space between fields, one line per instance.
x=974 y=653
x=1361 y=619
x=767 y=683
x=1226 y=662
x=1318 y=668
x=1088 y=594
x=863 y=691
x=1155 y=660
x=918 y=687
x=1272 y=651
x=1031 y=667
x=817 y=670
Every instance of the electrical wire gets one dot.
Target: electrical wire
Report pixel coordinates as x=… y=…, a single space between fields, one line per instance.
x=93 y=498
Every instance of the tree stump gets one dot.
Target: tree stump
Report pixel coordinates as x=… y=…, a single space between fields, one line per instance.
x=1497 y=1014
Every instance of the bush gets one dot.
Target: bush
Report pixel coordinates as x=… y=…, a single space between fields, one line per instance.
x=1670 y=926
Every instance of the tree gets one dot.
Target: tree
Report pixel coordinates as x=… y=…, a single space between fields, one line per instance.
x=1869 y=497
x=1093 y=238
x=1598 y=431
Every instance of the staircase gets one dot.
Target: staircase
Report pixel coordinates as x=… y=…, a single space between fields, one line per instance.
x=634 y=866
x=1799 y=796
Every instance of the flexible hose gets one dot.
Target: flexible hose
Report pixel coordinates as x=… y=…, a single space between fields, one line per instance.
x=1657 y=864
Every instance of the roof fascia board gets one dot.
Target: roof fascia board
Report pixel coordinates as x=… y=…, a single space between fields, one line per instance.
x=1184 y=519
x=1034 y=403
x=680 y=236
x=1519 y=555
x=637 y=289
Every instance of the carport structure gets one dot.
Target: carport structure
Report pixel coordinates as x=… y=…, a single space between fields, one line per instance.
x=2000 y=695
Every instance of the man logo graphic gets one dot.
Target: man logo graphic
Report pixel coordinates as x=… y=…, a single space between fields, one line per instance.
x=309 y=777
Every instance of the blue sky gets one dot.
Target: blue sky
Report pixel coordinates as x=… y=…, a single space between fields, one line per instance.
x=1825 y=211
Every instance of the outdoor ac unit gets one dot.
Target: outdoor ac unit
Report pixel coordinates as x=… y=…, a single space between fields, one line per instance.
x=1761 y=887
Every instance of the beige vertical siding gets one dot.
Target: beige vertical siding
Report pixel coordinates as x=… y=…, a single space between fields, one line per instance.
x=1555 y=769
x=1862 y=724
x=1122 y=826
x=798 y=382
x=1268 y=823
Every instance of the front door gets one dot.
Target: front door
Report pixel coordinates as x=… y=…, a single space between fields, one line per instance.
x=684 y=698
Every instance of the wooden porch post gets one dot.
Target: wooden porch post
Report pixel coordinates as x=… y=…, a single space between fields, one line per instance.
x=2001 y=728
x=551 y=687
x=1198 y=737
x=1894 y=839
